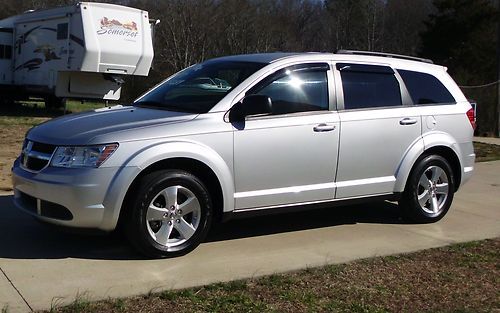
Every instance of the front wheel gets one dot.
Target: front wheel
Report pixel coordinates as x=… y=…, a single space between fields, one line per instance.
x=171 y=214
x=429 y=190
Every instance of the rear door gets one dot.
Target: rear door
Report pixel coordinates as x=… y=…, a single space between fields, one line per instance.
x=378 y=127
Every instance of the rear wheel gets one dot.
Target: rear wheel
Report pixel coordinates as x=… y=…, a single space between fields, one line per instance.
x=429 y=190
x=171 y=214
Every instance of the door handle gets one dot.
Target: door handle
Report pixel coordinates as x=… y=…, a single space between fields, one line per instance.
x=324 y=127
x=407 y=121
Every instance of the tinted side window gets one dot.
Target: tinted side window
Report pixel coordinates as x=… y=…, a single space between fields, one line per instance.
x=369 y=86
x=425 y=88
x=298 y=90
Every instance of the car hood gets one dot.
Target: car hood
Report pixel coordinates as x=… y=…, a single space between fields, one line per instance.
x=86 y=127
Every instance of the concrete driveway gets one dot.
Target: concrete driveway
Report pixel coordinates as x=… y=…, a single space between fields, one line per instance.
x=41 y=267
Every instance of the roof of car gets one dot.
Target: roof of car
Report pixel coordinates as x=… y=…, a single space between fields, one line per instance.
x=387 y=58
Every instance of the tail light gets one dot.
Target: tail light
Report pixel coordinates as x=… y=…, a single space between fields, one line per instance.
x=471 y=115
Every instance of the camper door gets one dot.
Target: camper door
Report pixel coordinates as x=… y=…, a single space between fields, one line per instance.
x=41 y=48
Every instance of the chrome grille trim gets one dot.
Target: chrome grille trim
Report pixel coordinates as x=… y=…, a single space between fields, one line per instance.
x=29 y=154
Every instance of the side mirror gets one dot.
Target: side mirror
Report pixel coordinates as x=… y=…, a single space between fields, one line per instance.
x=250 y=105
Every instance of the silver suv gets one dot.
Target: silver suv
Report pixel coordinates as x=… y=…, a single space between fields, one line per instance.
x=249 y=134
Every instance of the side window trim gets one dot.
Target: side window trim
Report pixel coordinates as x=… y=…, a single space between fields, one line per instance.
x=332 y=89
x=292 y=114
x=339 y=91
x=364 y=68
x=405 y=95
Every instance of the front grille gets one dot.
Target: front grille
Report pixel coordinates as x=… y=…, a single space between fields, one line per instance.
x=43 y=147
x=36 y=155
x=35 y=164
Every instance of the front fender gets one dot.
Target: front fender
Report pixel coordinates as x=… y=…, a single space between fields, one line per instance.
x=158 y=152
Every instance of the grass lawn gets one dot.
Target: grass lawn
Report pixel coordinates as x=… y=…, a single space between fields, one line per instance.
x=36 y=108
x=458 y=278
x=486 y=152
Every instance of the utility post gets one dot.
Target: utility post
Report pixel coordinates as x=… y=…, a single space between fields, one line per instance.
x=497 y=115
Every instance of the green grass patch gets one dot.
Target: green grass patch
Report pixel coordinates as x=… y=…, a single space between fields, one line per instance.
x=486 y=152
x=72 y=106
x=80 y=304
x=79 y=106
x=21 y=120
x=37 y=109
x=120 y=305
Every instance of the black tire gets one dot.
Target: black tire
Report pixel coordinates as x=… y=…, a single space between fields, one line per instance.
x=428 y=211
x=145 y=235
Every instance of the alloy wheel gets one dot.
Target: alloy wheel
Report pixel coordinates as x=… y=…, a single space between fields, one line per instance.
x=433 y=190
x=173 y=216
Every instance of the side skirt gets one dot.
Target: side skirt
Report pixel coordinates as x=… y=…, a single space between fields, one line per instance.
x=297 y=207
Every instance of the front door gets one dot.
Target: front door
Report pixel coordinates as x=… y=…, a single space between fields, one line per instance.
x=289 y=156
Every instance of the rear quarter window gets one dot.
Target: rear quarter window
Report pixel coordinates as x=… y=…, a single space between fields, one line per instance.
x=425 y=88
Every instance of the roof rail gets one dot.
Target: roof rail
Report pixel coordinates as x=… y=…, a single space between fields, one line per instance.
x=383 y=54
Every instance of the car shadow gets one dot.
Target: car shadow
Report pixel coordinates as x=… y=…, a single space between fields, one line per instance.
x=23 y=237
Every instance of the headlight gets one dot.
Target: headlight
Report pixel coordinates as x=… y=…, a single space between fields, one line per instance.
x=84 y=156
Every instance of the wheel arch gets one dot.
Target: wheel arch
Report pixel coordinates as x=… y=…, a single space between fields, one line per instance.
x=193 y=166
x=195 y=158
x=449 y=155
x=442 y=145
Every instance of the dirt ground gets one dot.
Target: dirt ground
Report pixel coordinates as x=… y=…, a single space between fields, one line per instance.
x=12 y=132
x=16 y=120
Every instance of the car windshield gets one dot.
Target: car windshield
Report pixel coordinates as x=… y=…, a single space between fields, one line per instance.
x=200 y=87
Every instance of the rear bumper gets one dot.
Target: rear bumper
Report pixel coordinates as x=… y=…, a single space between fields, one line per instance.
x=468 y=159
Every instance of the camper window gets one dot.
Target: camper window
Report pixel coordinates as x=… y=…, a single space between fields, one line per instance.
x=5 y=52
x=62 y=31
x=8 y=52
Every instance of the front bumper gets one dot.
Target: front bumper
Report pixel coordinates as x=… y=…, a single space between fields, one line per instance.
x=73 y=197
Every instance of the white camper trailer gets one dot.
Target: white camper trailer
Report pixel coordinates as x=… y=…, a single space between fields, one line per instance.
x=78 y=51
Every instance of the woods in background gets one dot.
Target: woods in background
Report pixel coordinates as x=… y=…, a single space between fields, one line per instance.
x=459 y=34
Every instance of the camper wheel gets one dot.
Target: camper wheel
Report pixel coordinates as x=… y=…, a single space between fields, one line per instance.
x=54 y=103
